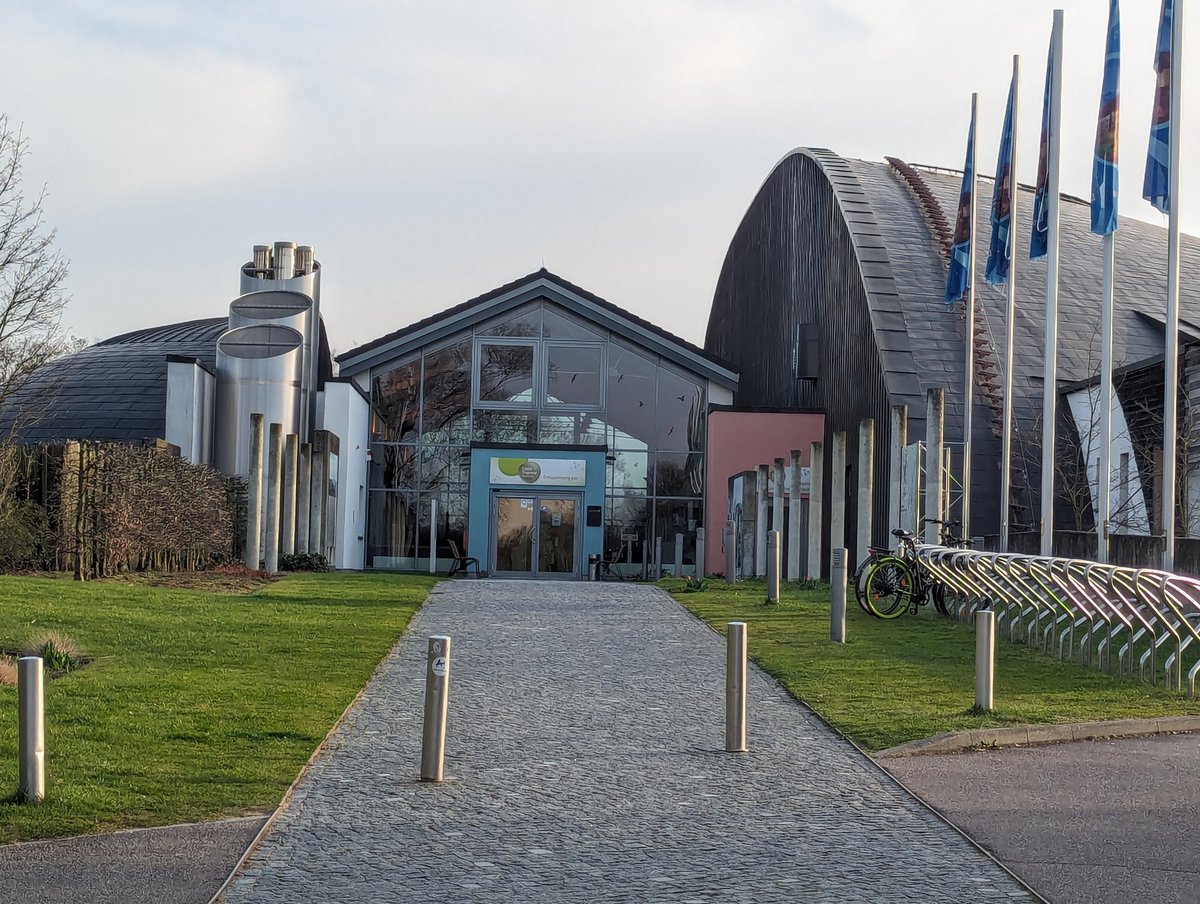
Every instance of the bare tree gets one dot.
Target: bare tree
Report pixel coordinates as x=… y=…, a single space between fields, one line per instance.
x=32 y=274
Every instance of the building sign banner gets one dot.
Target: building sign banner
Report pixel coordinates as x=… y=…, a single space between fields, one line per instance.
x=558 y=472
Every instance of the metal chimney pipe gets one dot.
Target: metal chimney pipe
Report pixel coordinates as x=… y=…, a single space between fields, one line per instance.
x=304 y=259
x=285 y=260
x=262 y=260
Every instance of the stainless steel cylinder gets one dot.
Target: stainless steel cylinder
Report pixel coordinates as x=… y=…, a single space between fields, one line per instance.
x=837 y=596
x=773 y=565
x=285 y=260
x=437 y=699
x=274 y=500
x=305 y=256
x=730 y=540
x=735 y=687
x=31 y=728
x=262 y=261
x=254 y=500
x=985 y=659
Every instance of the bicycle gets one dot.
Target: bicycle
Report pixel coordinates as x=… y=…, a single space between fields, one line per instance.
x=900 y=582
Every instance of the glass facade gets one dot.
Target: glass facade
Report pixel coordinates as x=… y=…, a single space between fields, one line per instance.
x=536 y=375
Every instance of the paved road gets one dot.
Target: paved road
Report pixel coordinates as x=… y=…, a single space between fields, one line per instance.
x=1090 y=822
x=584 y=764
x=182 y=864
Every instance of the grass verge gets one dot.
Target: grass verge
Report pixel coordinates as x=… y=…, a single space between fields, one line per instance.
x=197 y=705
x=896 y=681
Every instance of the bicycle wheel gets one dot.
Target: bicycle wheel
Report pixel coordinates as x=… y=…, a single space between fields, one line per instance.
x=860 y=583
x=937 y=592
x=889 y=587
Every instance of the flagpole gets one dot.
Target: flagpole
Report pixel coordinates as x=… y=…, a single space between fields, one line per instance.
x=1171 y=364
x=1009 y=319
x=1050 y=374
x=969 y=390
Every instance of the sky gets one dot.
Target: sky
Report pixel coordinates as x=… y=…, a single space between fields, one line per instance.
x=433 y=151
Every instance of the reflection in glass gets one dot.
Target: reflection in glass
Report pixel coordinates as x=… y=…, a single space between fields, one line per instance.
x=393 y=530
x=681 y=412
x=678 y=516
x=393 y=467
x=514 y=533
x=444 y=466
x=558 y=325
x=678 y=474
x=584 y=428
x=447 y=387
x=506 y=373
x=629 y=472
x=395 y=400
x=631 y=402
x=527 y=322
x=556 y=535
x=626 y=526
x=504 y=427
x=573 y=375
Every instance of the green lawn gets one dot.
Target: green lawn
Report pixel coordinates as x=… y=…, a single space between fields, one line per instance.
x=198 y=704
x=895 y=681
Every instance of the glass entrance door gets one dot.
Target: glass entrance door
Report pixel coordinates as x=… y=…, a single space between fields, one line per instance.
x=536 y=535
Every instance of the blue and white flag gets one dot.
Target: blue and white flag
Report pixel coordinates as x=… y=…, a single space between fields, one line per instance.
x=959 y=276
x=1039 y=235
x=1104 y=166
x=1157 y=186
x=1000 y=252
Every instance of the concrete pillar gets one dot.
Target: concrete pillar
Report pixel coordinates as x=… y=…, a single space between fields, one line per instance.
x=303 y=497
x=760 y=523
x=898 y=441
x=291 y=460
x=700 y=554
x=777 y=506
x=934 y=409
x=837 y=500
x=774 y=560
x=678 y=555
x=319 y=497
x=793 y=553
x=254 y=500
x=947 y=481
x=866 y=486
x=274 y=492
x=730 y=538
x=816 y=490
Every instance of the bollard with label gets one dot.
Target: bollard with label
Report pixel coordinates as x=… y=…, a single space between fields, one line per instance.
x=730 y=539
x=31 y=728
x=985 y=659
x=735 y=687
x=773 y=562
x=437 y=698
x=837 y=596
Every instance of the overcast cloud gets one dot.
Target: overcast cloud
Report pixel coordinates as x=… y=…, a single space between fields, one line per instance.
x=432 y=151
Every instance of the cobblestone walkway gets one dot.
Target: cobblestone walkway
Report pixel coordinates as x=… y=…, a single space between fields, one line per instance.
x=584 y=764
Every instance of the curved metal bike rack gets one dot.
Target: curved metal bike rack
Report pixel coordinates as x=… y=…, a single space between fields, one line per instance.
x=1080 y=610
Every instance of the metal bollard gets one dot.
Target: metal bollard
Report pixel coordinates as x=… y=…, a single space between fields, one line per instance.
x=437 y=696
x=773 y=566
x=730 y=539
x=985 y=659
x=837 y=596
x=735 y=687
x=31 y=728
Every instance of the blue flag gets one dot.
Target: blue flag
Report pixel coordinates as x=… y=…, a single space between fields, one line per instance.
x=1157 y=186
x=1000 y=252
x=959 y=275
x=1104 y=166
x=1039 y=235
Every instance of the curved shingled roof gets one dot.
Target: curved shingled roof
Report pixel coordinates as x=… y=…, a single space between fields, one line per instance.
x=113 y=390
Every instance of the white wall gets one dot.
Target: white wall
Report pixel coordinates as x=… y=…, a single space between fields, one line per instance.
x=345 y=413
x=189 y=415
x=1128 y=504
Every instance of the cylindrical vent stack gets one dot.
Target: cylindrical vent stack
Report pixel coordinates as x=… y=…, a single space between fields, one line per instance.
x=262 y=261
x=258 y=372
x=285 y=260
x=304 y=260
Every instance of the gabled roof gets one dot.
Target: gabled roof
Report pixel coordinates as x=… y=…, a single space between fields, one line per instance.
x=546 y=285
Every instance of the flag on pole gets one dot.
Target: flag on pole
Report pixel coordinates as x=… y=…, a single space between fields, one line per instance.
x=1039 y=235
x=1000 y=252
x=959 y=275
x=1104 y=166
x=1157 y=186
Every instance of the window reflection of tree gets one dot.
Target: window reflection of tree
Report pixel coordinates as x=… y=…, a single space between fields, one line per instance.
x=506 y=373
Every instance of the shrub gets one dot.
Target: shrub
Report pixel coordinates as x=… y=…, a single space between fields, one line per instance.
x=304 y=561
x=8 y=671
x=25 y=537
x=693 y=585
x=59 y=652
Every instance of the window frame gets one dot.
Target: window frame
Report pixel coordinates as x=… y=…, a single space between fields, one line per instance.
x=477 y=370
x=601 y=374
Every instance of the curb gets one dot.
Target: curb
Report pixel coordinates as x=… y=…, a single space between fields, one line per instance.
x=958 y=741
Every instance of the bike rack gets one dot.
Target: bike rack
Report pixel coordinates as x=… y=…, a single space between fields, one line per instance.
x=1080 y=610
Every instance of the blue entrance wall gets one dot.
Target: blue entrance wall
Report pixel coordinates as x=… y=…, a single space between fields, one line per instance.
x=479 y=538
